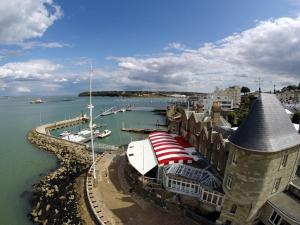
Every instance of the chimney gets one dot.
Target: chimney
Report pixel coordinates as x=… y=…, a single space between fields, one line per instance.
x=199 y=108
x=216 y=112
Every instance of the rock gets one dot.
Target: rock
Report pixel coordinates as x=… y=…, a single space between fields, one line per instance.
x=51 y=193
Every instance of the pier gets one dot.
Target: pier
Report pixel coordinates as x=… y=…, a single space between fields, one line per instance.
x=74 y=159
x=46 y=128
x=142 y=130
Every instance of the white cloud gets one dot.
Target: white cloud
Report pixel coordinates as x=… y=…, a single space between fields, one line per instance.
x=35 y=44
x=60 y=80
x=175 y=46
x=23 y=89
x=270 y=50
x=21 y=20
x=29 y=70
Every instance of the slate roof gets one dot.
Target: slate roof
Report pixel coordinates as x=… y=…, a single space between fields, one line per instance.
x=267 y=127
x=287 y=205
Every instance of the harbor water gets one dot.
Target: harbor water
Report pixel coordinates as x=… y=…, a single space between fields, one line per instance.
x=22 y=164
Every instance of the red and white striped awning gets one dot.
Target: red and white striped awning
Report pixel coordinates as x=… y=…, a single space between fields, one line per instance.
x=169 y=149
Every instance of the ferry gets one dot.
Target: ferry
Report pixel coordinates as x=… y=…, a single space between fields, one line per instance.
x=37 y=101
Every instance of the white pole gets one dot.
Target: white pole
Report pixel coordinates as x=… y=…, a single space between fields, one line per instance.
x=90 y=106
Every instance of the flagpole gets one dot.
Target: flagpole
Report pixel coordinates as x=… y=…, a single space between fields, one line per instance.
x=90 y=106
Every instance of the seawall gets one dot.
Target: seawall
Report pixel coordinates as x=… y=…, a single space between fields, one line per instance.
x=54 y=199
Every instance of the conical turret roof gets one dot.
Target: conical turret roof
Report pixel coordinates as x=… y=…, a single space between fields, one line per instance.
x=267 y=127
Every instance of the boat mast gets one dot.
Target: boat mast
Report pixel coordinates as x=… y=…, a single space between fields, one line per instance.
x=90 y=107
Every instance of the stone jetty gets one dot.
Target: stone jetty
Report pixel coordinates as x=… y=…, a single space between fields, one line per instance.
x=54 y=199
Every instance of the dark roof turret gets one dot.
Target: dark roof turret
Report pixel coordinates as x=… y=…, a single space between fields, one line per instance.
x=267 y=127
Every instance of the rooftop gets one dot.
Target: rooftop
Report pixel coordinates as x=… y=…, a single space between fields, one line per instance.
x=267 y=127
x=287 y=205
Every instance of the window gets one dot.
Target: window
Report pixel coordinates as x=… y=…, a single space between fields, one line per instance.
x=233 y=209
x=215 y=199
x=229 y=182
x=234 y=158
x=220 y=201
x=284 y=160
x=275 y=219
x=209 y=197
x=276 y=184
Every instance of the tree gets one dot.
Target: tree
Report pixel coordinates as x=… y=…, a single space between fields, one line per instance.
x=231 y=118
x=296 y=117
x=245 y=90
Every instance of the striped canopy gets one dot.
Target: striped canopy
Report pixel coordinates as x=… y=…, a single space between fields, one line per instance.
x=169 y=149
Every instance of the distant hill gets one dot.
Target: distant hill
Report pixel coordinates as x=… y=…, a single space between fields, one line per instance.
x=136 y=93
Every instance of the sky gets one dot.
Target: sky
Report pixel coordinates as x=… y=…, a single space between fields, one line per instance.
x=47 y=47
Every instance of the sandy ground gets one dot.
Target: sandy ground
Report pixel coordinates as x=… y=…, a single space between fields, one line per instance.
x=131 y=209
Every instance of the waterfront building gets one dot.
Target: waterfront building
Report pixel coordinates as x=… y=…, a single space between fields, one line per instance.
x=232 y=93
x=263 y=158
x=206 y=101
x=256 y=164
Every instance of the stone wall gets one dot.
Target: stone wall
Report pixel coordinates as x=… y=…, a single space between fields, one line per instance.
x=253 y=179
x=54 y=199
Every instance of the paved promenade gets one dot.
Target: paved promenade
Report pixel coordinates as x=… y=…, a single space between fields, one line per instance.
x=113 y=204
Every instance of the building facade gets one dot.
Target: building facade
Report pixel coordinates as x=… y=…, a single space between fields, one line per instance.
x=257 y=162
x=233 y=93
x=263 y=157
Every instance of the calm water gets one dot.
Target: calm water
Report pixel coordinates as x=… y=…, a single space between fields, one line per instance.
x=21 y=164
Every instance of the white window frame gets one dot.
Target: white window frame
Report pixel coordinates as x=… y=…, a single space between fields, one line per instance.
x=273 y=221
x=229 y=181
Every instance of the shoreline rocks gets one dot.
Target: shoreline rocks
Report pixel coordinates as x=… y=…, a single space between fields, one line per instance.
x=54 y=198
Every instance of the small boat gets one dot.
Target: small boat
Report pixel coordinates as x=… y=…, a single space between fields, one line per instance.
x=65 y=133
x=75 y=138
x=104 y=133
x=37 y=101
x=97 y=132
x=84 y=133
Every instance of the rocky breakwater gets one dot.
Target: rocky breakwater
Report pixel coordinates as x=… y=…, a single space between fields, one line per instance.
x=54 y=198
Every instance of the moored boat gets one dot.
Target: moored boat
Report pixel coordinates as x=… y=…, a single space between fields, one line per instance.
x=104 y=133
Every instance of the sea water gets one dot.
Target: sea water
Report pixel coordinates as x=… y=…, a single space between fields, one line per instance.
x=22 y=164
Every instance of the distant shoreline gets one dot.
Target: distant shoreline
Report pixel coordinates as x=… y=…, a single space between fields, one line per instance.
x=136 y=93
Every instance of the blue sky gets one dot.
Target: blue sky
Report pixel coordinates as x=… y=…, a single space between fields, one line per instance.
x=154 y=45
